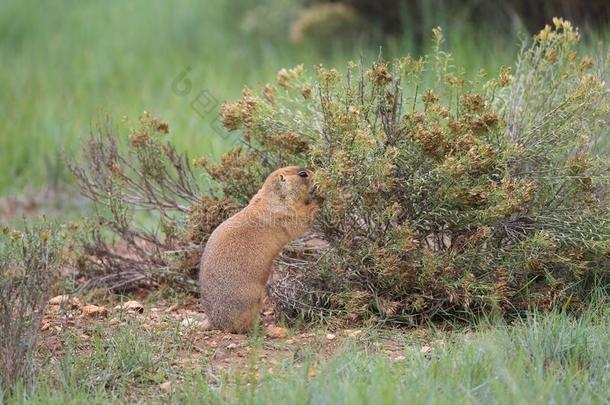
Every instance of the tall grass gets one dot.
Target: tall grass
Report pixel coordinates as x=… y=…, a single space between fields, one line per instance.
x=65 y=63
x=550 y=358
x=542 y=360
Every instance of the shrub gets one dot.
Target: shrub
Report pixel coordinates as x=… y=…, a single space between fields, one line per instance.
x=149 y=177
x=28 y=260
x=445 y=195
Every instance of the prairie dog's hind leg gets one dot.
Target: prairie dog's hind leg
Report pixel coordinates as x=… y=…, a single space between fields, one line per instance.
x=245 y=320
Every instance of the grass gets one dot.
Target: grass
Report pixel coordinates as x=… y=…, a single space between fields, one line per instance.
x=551 y=358
x=65 y=64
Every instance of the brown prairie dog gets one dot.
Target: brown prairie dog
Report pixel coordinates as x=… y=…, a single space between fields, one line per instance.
x=238 y=256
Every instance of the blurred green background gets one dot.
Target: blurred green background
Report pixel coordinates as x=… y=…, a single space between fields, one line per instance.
x=65 y=64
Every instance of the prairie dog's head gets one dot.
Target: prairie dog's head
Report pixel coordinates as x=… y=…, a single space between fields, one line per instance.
x=294 y=184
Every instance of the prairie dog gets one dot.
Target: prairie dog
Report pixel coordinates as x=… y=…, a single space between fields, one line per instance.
x=237 y=259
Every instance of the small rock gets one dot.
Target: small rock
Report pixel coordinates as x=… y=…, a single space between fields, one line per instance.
x=330 y=336
x=268 y=312
x=353 y=332
x=276 y=332
x=58 y=300
x=65 y=299
x=94 y=311
x=425 y=349
x=166 y=386
x=232 y=346
x=131 y=306
x=399 y=358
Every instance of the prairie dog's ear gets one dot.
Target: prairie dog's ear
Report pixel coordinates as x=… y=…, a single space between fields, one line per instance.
x=279 y=185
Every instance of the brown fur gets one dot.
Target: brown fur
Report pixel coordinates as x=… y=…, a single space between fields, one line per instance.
x=238 y=256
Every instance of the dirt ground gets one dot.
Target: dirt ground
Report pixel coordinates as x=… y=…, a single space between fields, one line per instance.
x=273 y=343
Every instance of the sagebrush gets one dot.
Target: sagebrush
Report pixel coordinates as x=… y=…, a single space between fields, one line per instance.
x=445 y=195
x=29 y=261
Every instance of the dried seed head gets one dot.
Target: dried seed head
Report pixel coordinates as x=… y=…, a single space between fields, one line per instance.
x=283 y=78
x=473 y=102
x=231 y=115
x=505 y=77
x=269 y=92
x=138 y=138
x=379 y=74
x=430 y=97
x=585 y=64
x=306 y=92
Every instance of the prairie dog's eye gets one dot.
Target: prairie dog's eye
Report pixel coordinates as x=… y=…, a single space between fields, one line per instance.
x=303 y=173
